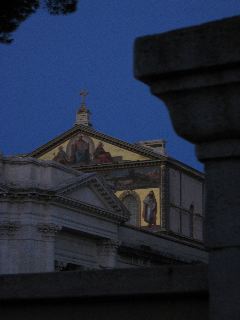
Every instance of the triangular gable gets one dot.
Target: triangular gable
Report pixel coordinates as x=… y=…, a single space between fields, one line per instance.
x=88 y=195
x=85 y=146
x=91 y=189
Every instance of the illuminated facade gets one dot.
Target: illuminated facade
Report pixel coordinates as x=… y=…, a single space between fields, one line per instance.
x=162 y=194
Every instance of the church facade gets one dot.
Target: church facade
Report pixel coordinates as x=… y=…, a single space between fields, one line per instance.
x=86 y=200
x=162 y=194
x=55 y=218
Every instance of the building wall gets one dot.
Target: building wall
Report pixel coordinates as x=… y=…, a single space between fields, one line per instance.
x=186 y=204
x=40 y=225
x=182 y=249
x=77 y=250
x=178 y=191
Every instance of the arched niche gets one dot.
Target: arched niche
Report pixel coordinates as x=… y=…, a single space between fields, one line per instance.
x=132 y=202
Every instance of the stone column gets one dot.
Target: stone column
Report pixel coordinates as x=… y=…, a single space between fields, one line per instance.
x=46 y=246
x=107 y=253
x=196 y=72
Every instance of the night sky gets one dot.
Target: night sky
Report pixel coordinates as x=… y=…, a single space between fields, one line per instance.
x=53 y=58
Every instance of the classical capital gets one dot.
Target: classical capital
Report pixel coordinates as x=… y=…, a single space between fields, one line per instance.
x=196 y=72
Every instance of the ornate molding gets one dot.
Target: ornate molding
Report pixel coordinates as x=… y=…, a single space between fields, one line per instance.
x=105 y=167
x=51 y=196
x=119 y=165
x=90 y=209
x=25 y=159
x=75 y=183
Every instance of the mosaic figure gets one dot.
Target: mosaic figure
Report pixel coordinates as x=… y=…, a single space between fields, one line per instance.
x=150 y=209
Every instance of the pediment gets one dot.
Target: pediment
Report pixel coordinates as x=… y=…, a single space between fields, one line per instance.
x=85 y=146
x=92 y=190
x=87 y=195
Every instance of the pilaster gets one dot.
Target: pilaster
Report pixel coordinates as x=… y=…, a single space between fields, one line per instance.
x=46 y=233
x=107 y=253
x=26 y=248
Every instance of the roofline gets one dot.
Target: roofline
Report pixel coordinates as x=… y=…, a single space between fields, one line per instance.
x=126 y=145
x=96 y=134
x=140 y=163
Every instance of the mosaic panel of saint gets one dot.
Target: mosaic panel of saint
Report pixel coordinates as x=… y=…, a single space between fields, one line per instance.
x=150 y=209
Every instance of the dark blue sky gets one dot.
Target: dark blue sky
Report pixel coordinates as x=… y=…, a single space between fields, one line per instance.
x=52 y=58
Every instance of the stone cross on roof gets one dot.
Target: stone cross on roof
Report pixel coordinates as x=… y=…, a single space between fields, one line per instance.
x=83 y=94
x=83 y=114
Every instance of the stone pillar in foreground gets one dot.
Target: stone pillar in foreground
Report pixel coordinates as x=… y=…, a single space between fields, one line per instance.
x=196 y=72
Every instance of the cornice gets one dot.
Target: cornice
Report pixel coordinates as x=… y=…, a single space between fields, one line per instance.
x=51 y=197
x=190 y=242
x=73 y=183
x=89 y=209
x=170 y=162
x=41 y=163
x=119 y=165
x=184 y=167
x=98 y=184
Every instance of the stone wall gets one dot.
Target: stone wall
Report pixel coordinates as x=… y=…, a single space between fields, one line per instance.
x=186 y=204
x=167 y=293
